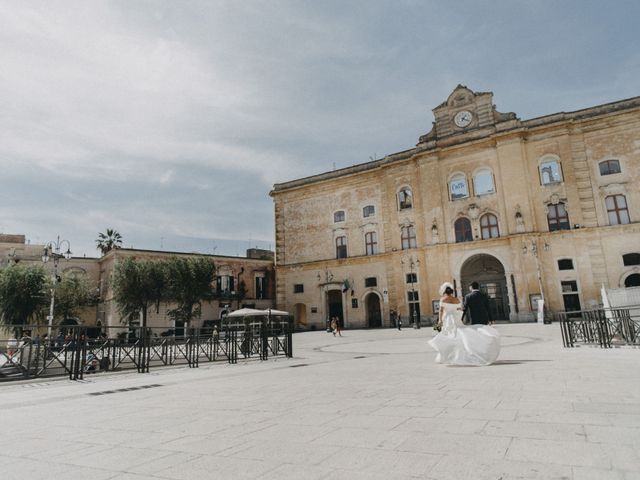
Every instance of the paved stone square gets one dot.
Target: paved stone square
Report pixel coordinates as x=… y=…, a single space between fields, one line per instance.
x=369 y=405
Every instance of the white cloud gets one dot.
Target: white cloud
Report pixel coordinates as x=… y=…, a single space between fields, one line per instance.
x=175 y=118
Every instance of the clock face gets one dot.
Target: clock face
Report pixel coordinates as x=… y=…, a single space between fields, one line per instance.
x=463 y=118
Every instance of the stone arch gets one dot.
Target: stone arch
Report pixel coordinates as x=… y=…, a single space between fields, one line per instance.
x=372 y=302
x=490 y=273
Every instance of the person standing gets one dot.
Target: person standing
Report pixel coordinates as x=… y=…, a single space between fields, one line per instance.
x=476 y=306
x=399 y=322
x=459 y=344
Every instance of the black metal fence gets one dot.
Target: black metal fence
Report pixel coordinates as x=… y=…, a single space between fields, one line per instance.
x=77 y=351
x=604 y=327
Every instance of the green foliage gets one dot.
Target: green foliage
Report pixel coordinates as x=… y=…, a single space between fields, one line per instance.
x=73 y=292
x=24 y=295
x=108 y=241
x=190 y=283
x=138 y=285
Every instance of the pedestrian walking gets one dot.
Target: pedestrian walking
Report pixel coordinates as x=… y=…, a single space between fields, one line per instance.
x=399 y=322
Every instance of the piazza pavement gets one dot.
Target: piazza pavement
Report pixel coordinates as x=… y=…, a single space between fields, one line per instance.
x=369 y=405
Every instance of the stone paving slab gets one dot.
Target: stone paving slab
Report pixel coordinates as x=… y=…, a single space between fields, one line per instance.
x=368 y=405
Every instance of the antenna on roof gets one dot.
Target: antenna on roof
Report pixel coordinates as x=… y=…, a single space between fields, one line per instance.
x=334 y=165
x=374 y=158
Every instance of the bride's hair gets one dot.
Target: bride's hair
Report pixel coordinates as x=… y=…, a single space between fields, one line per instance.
x=446 y=288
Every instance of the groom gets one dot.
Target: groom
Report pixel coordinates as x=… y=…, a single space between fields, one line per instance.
x=476 y=306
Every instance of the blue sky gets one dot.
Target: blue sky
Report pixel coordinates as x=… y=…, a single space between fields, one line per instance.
x=171 y=121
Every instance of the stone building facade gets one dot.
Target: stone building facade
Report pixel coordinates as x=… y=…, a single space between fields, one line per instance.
x=545 y=208
x=256 y=271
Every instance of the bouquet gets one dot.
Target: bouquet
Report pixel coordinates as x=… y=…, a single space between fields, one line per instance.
x=437 y=326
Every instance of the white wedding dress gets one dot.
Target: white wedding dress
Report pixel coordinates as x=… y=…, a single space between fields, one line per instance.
x=460 y=344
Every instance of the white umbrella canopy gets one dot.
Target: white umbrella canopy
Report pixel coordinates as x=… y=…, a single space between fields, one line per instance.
x=277 y=312
x=252 y=312
x=248 y=312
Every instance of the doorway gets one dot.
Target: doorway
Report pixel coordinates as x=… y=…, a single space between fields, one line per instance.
x=334 y=303
x=489 y=273
x=374 y=314
x=301 y=314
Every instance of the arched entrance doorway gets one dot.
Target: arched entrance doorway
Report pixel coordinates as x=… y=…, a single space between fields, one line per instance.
x=632 y=280
x=374 y=314
x=301 y=314
x=334 y=304
x=489 y=273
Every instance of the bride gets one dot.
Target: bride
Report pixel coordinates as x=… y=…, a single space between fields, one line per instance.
x=459 y=344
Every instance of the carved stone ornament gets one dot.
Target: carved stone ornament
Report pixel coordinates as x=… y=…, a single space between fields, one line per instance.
x=555 y=199
x=613 y=188
x=474 y=211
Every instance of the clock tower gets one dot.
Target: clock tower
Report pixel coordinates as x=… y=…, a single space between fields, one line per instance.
x=463 y=112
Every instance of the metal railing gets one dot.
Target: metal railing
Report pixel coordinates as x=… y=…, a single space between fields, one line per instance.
x=75 y=353
x=604 y=327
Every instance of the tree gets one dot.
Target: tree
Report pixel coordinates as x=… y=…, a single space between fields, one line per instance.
x=72 y=293
x=110 y=240
x=24 y=295
x=190 y=283
x=138 y=285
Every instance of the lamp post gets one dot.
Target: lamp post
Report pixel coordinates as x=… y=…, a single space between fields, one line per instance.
x=533 y=248
x=328 y=277
x=413 y=263
x=52 y=250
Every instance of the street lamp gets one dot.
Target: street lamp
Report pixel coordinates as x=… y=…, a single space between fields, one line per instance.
x=413 y=263
x=52 y=250
x=328 y=278
x=533 y=248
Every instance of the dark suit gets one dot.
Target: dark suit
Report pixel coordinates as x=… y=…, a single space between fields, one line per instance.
x=476 y=307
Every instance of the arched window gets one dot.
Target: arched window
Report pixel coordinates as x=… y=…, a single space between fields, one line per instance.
x=617 y=209
x=550 y=172
x=458 y=187
x=405 y=198
x=338 y=216
x=483 y=182
x=408 y=236
x=632 y=280
x=341 y=247
x=609 y=167
x=489 y=226
x=631 y=259
x=369 y=211
x=371 y=243
x=557 y=217
x=463 y=230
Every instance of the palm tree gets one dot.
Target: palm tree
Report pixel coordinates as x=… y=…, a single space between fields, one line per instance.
x=110 y=240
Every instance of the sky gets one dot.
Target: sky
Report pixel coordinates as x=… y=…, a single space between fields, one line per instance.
x=170 y=121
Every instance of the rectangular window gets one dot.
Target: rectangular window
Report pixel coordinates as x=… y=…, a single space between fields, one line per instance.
x=408 y=237
x=369 y=211
x=412 y=277
x=371 y=282
x=261 y=288
x=565 y=264
x=371 y=243
x=298 y=288
x=609 y=167
x=557 y=217
x=224 y=284
x=569 y=286
x=617 y=209
x=341 y=247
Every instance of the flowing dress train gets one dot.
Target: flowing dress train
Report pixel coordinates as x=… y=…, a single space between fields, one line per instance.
x=460 y=344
